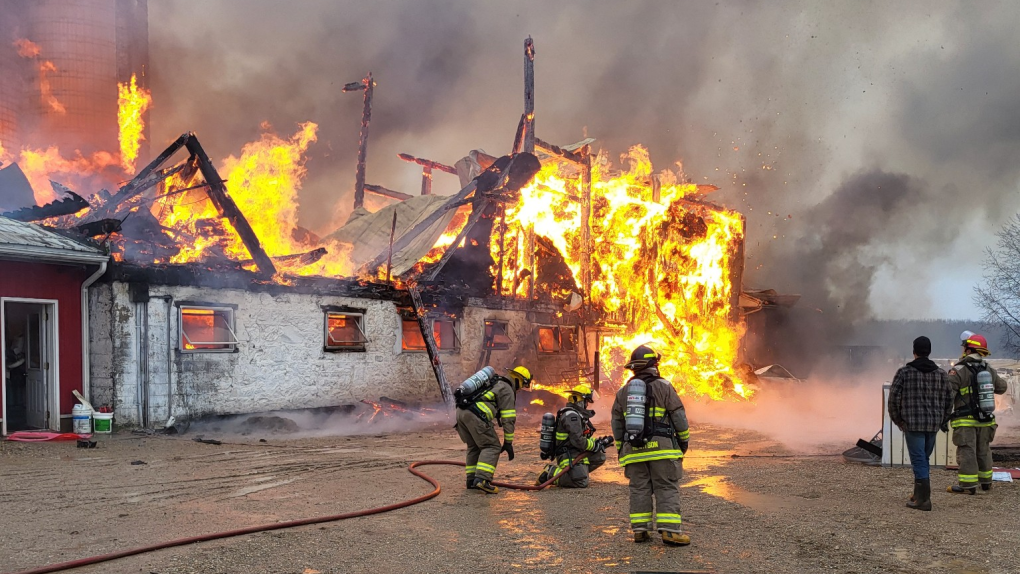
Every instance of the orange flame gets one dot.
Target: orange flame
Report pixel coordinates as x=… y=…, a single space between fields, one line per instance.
x=26 y=48
x=660 y=268
x=132 y=102
x=29 y=49
x=40 y=166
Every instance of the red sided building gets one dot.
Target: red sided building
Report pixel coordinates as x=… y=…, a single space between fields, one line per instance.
x=44 y=278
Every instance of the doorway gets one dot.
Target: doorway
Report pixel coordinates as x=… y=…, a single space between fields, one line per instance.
x=30 y=382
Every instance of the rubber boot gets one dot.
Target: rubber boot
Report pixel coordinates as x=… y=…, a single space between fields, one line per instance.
x=984 y=485
x=957 y=489
x=675 y=538
x=917 y=491
x=486 y=486
x=642 y=536
x=922 y=495
x=470 y=481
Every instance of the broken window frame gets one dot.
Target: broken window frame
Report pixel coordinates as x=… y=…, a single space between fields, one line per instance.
x=331 y=345
x=558 y=333
x=493 y=345
x=217 y=311
x=407 y=316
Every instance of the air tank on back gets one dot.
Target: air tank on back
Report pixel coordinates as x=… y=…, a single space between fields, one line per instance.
x=545 y=436
x=985 y=392
x=634 y=415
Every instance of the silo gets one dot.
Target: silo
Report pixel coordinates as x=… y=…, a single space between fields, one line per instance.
x=79 y=38
x=11 y=78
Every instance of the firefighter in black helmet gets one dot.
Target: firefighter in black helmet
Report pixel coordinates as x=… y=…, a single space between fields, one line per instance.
x=652 y=456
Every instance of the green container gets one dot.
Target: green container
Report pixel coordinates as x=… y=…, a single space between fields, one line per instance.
x=102 y=422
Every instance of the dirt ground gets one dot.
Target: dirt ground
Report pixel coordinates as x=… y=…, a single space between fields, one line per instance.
x=764 y=510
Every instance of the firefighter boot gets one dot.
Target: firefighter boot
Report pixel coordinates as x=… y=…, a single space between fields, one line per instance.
x=642 y=536
x=675 y=538
x=922 y=495
x=986 y=486
x=486 y=486
x=470 y=481
x=957 y=489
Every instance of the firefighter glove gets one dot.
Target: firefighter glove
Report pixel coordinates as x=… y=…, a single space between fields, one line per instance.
x=684 y=445
x=944 y=427
x=508 y=448
x=604 y=443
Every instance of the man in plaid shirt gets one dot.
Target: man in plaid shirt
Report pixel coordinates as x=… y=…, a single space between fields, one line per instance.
x=920 y=402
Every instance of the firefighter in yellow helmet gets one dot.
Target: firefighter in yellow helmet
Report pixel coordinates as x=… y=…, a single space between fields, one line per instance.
x=493 y=403
x=575 y=435
x=651 y=432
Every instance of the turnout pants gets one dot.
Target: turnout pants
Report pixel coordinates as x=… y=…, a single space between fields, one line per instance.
x=577 y=477
x=483 y=446
x=974 y=454
x=656 y=479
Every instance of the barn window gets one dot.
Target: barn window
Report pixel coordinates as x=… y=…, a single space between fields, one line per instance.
x=207 y=329
x=345 y=331
x=444 y=331
x=557 y=339
x=496 y=337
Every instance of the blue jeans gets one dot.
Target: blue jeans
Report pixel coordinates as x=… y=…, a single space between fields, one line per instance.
x=920 y=446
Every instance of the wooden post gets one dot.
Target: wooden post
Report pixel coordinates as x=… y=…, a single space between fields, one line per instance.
x=529 y=96
x=737 y=273
x=426 y=180
x=656 y=188
x=532 y=262
x=502 y=243
x=389 y=256
x=366 y=85
x=586 y=246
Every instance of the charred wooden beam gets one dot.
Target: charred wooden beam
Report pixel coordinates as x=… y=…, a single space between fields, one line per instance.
x=586 y=247
x=229 y=210
x=71 y=204
x=519 y=137
x=294 y=259
x=557 y=150
x=367 y=85
x=502 y=249
x=101 y=227
x=737 y=272
x=428 y=163
x=142 y=181
x=426 y=180
x=529 y=96
x=380 y=190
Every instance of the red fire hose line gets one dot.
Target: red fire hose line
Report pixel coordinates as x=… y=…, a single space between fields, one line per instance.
x=292 y=523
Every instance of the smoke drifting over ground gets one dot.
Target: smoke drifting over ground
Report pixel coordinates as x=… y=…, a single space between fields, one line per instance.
x=807 y=417
x=871 y=145
x=317 y=423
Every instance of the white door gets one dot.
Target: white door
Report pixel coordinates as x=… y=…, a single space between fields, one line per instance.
x=37 y=362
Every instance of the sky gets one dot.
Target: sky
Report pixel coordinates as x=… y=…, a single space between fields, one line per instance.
x=871 y=145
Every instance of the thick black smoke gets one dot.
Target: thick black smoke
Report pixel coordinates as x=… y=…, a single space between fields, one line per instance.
x=871 y=145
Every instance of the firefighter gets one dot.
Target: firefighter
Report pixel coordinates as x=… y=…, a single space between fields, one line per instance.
x=475 y=425
x=575 y=435
x=973 y=427
x=652 y=459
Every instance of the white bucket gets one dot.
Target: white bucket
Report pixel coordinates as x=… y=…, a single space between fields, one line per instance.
x=81 y=419
x=103 y=422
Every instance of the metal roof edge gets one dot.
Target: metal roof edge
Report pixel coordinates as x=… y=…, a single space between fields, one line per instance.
x=49 y=255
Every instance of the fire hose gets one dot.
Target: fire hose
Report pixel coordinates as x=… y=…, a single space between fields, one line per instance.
x=292 y=523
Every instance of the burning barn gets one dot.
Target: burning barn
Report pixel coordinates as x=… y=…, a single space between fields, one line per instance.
x=217 y=302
